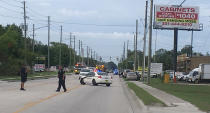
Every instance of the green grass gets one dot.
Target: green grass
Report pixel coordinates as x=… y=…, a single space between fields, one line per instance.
x=36 y=75
x=147 y=98
x=195 y=94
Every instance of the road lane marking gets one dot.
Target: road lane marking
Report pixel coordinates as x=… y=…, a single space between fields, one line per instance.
x=31 y=104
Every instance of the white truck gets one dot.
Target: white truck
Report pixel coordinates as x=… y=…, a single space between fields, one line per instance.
x=199 y=74
x=156 y=69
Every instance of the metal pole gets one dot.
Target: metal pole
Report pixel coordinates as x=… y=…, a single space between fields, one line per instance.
x=150 y=42
x=191 y=52
x=48 y=42
x=175 y=51
x=144 y=47
x=60 y=47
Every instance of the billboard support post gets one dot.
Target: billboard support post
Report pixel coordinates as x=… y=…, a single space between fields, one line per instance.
x=175 y=52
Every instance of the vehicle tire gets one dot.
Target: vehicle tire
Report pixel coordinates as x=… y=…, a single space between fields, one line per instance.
x=94 y=82
x=107 y=85
x=196 y=81
x=82 y=81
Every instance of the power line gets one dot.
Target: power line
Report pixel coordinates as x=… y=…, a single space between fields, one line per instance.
x=10 y=16
x=10 y=9
x=10 y=4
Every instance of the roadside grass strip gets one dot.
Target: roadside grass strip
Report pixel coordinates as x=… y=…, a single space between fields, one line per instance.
x=36 y=75
x=199 y=95
x=147 y=98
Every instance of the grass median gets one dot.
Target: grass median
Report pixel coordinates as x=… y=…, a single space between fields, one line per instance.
x=147 y=98
x=31 y=76
x=198 y=95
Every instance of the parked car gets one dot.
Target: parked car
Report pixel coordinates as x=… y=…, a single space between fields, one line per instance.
x=132 y=76
x=125 y=72
x=96 y=78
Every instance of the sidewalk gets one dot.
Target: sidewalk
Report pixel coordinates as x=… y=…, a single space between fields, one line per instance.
x=174 y=103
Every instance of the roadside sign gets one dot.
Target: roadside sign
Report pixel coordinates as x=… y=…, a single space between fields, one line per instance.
x=171 y=16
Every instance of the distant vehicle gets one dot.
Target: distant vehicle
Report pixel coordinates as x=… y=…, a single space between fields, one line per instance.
x=171 y=73
x=200 y=74
x=39 y=67
x=156 y=69
x=84 y=72
x=125 y=72
x=116 y=72
x=132 y=76
x=96 y=78
x=78 y=67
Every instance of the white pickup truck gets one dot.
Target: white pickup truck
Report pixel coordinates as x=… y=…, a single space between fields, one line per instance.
x=200 y=73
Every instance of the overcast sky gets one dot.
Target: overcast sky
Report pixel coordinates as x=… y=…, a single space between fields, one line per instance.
x=84 y=19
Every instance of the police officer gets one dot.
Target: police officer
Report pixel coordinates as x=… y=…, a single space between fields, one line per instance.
x=23 y=75
x=61 y=77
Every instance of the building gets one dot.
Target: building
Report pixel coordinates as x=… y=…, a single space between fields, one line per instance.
x=186 y=64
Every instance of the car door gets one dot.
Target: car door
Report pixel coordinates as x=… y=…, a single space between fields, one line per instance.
x=89 y=77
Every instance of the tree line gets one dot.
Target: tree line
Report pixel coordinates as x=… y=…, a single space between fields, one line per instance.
x=161 y=56
x=12 y=52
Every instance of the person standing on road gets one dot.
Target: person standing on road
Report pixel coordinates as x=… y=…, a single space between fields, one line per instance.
x=61 y=77
x=23 y=75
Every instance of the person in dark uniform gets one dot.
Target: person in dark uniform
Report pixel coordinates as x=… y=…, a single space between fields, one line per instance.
x=23 y=75
x=61 y=77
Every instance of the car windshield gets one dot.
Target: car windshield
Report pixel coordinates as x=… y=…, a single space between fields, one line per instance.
x=85 y=70
x=102 y=73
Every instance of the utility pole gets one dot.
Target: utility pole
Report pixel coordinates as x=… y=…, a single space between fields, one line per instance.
x=82 y=52
x=137 y=59
x=25 y=31
x=48 y=42
x=70 y=50
x=155 y=45
x=134 y=62
x=94 y=55
x=74 y=51
x=60 y=47
x=145 y=38
x=33 y=38
x=79 y=50
x=124 y=51
x=87 y=56
x=150 y=42
x=127 y=47
x=191 y=51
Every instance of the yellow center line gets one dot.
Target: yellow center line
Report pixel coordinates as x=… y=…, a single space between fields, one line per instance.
x=31 y=104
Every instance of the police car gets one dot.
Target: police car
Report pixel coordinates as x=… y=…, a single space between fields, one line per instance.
x=96 y=78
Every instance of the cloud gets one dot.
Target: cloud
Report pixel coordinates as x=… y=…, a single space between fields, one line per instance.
x=45 y=4
x=77 y=13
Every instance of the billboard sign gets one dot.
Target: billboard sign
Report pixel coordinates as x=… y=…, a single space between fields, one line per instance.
x=170 y=17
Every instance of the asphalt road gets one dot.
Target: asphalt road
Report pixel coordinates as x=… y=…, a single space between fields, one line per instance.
x=40 y=97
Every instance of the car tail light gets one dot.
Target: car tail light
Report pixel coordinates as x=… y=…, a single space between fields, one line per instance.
x=99 y=77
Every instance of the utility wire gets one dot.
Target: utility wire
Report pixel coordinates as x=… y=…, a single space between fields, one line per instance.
x=10 y=9
x=10 y=4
